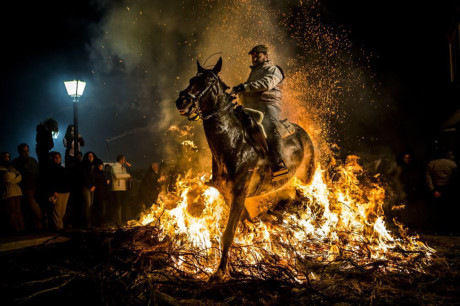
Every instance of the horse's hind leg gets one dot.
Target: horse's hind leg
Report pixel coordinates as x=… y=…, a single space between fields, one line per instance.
x=245 y=215
x=237 y=205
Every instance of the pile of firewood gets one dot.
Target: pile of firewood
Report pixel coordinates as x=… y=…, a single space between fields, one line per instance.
x=132 y=266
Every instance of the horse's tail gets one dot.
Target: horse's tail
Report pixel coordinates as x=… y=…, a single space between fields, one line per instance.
x=312 y=165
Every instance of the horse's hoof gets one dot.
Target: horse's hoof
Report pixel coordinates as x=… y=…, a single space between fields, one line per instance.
x=218 y=276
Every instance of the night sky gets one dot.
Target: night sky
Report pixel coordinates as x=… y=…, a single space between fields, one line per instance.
x=46 y=43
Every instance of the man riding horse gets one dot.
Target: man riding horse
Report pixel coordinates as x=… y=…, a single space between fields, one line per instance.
x=263 y=92
x=239 y=170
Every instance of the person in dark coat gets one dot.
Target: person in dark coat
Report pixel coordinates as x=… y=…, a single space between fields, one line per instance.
x=75 y=215
x=44 y=138
x=58 y=183
x=409 y=175
x=28 y=167
x=440 y=174
x=88 y=186
x=150 y=186
x=69 y=144
x=101 y=193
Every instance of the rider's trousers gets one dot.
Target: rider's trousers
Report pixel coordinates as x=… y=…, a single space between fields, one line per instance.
x=270 y=123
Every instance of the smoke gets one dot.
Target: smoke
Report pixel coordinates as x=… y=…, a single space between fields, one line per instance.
x=135 y=130
x=144 y=52
x=139 y=57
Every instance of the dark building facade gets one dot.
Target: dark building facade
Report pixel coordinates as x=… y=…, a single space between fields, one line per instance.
x=450 y=130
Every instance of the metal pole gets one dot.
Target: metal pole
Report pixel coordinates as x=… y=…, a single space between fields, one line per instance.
x=75 y=128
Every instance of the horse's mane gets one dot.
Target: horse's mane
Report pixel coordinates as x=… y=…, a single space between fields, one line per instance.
x=221 y=82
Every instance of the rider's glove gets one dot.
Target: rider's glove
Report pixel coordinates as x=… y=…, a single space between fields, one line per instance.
x=238 y=88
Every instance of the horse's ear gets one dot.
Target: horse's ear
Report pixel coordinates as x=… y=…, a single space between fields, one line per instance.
x=200 y=69
x=218 y=66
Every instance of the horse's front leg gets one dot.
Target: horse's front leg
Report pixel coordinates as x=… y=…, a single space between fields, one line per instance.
x=237 y=205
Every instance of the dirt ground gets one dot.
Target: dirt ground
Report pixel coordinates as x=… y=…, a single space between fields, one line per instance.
x=97 y=268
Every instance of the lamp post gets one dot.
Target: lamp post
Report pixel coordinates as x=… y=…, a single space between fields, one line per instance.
x=75 y=90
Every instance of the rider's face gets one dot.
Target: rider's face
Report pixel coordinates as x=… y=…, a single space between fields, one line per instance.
x=258 y=58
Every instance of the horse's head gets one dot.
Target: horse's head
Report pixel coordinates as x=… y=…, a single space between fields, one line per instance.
x=199 y=98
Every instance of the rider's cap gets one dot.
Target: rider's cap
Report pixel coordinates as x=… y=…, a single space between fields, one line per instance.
x=259 y=49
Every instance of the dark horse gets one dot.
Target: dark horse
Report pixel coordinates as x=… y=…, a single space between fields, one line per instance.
x=238 y=170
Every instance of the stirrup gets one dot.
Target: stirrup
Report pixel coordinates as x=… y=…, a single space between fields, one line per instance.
x=280 y=173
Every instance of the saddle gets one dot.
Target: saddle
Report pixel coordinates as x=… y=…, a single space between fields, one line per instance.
x=254 y=131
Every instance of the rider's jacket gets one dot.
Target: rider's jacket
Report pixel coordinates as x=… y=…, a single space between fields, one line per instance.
x=264 y=86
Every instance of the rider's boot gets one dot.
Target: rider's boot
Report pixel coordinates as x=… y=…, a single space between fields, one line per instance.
x=279 y=168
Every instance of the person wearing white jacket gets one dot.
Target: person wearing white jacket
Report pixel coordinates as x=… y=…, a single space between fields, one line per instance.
x=120 y=178
x=11 y=193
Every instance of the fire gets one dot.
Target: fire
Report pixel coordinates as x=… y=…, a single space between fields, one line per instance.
x=338 y=217
x=182 y=131
x=189 y=144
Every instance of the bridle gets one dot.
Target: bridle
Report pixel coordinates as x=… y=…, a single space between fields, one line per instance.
x=192 y=110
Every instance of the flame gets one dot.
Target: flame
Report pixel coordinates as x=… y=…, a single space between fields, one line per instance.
x=182 y=131
x=334 y=217
x=189 y=144
x=339 y=215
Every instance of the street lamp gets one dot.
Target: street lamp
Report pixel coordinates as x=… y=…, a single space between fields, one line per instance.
x=75 y=90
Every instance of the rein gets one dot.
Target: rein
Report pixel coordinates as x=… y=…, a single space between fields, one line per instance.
x=219 y=110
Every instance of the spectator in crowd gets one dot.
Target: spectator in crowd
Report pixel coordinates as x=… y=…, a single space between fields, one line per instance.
x=109 y=209
x=439 y=175
x=88 y=186
x=75 y=214
x=108 y=173
x=58 y=190
x=150 y=186
x=11 y=194
x=409 y=175
x=79 y=157
x=120 y=181
x=28 y=167
x=44 y=138
x=101 y=194
x=409 y=190
x=69 y=144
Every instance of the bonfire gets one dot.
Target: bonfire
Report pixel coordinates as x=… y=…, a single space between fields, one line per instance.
x=336 y=220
